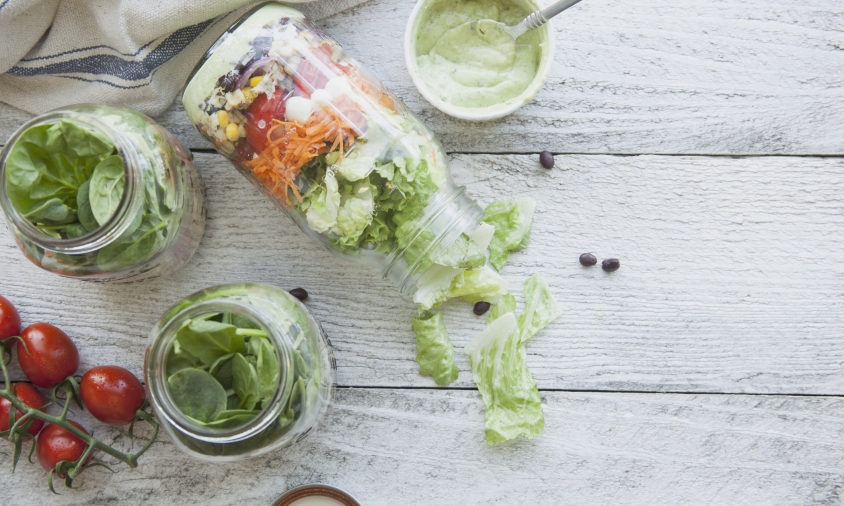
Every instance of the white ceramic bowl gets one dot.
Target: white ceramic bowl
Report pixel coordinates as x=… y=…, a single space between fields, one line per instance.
x=478 y=113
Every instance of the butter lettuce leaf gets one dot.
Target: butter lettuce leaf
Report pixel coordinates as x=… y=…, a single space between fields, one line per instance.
x=540 y=307
x=512 y=220
x=499 y=368
x=355 y=214
x=434 y=351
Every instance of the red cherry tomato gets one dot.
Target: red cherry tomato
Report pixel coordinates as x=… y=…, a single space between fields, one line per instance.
x=10 y=320
x=55 y=444
x=30 y=396
x=112 y=394
x=52 y=356
x=260 y=115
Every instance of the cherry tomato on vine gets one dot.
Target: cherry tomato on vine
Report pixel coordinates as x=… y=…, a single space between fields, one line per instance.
x=55 y=444
x=30 y=396
x=112 y=394
x=10 y=320
x=51 y=355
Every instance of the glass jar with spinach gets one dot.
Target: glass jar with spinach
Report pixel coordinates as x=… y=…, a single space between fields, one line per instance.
x=101 y=194
x=238 y=370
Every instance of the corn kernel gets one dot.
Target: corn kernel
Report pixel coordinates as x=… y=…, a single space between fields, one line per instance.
x=232 y=132
x=223 y=118
x=255 y=81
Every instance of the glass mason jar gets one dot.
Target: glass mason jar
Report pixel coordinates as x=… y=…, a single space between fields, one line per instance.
x=354 y=168
x=301 y=385
x=157 y=214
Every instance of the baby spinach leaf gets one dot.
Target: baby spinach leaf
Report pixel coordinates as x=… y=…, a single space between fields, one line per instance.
x=245 y=382
x=68 y=137
x=197 y=394
x=84 y=212
x=209 y=340
x=266 y=367
x=230 y=419
x=51 y=211
x=224 y=375
x=131 y=249
x=106 y=188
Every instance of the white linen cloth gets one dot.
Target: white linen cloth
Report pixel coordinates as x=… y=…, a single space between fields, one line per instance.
x=131 y=53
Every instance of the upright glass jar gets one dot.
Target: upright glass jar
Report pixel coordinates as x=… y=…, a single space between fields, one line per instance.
x=101 y=193
x=357 y=171
x=200 y=335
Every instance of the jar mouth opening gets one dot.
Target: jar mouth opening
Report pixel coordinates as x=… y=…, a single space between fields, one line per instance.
x=115 y=225
x=160 y=394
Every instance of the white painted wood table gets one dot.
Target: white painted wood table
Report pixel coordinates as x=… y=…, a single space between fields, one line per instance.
x=700 y=142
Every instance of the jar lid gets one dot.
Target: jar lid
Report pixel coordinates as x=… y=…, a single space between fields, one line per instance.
x=316 y=494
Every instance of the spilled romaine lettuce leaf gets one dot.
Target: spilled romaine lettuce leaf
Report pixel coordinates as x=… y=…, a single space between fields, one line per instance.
x=434 y=287
x=463 y=253
x=500 y=370
x=540 y=308
x=505 y=304
x=482 y=235
x=512 y=220
x=434 y=351
x=478 y=285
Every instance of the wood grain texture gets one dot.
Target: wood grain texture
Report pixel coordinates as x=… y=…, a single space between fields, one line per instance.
x=389 y=447
x=657 y=76
x=731 y=276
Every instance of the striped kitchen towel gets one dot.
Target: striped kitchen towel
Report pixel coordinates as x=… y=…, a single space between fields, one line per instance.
x=135 y=53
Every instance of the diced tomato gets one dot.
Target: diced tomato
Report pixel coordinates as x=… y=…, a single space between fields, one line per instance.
x=260 y=116
x=309 y=78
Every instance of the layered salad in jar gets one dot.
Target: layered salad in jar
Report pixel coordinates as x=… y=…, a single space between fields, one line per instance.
x=303 y=120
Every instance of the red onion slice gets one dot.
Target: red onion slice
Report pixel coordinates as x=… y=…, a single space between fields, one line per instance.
x=250 y=70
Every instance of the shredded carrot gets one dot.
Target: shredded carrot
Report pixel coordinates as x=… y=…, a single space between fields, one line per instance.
x=291 y=144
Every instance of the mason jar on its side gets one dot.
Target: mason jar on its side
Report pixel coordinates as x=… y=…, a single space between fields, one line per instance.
x=272 y=400
x=146 y=221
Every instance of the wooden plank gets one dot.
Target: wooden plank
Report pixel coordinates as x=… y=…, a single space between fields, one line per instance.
x=731 y=277
x=389 y=447
x=658 y=76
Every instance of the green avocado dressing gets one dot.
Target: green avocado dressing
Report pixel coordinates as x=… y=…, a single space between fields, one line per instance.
x=466 y=59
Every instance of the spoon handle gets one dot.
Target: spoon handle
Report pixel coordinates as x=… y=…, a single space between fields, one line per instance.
x=539 y=18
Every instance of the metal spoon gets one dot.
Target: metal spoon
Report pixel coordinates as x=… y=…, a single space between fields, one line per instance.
x=538 y=18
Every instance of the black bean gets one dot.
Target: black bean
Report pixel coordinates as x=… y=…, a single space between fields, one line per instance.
x=481 y=308
x=610 y=264
x=588 y=260
x=299 y=293
x=546 y=159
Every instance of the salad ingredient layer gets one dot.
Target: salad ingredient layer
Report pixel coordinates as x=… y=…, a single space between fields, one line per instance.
x=65 y=179
x=327 y=142
x=49 y=359
x=222 y=370
x=466 y=59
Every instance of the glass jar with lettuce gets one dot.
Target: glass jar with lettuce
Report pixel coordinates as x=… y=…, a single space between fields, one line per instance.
x=101 y=194
x=357 y=171
x=238 y=370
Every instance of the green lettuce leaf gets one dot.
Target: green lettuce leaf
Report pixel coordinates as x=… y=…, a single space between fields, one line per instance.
x=324 y=205
x=540 y=307
x=434 y=351
x=435 y=286
x=355 y=213
x=499 y=368
x=512 y=220
x=463 y=253
x=478 y=285
x=506 y=304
